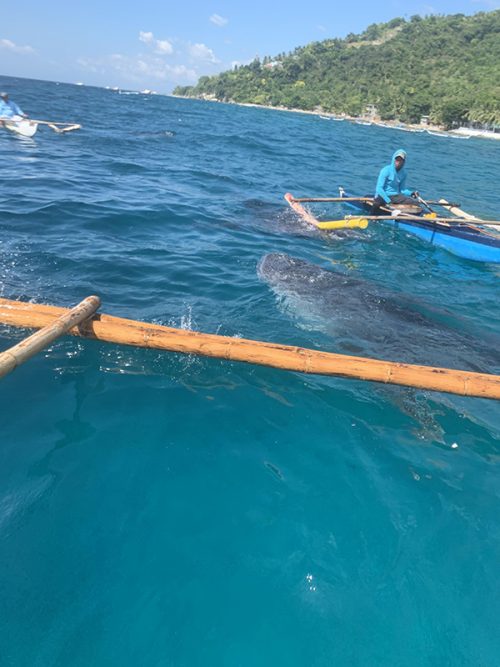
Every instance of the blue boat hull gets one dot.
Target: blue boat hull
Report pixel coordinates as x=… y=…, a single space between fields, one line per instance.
x=464 y=241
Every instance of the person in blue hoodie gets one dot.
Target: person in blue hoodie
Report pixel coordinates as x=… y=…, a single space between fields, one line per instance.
x=9 y=109
x=391 y=184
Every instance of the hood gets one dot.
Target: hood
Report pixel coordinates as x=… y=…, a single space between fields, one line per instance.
x=399 y=153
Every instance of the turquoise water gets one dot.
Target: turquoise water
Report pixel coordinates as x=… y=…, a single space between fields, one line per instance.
x=157 y=509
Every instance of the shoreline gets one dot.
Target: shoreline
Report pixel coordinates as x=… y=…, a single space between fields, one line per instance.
x=434 y=130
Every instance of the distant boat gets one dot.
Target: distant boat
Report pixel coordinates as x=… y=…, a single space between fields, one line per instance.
x=437 y=133
x=363 y=122
x=22 y=126
x=468 y=132
x=402 y=127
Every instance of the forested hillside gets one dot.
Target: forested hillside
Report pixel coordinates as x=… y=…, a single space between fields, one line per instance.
x=447 y=67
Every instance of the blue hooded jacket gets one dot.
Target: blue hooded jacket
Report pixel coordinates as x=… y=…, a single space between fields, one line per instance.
x=9 y=109
x=390 y=181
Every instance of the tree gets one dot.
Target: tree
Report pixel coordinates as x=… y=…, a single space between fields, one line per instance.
x=443 y=66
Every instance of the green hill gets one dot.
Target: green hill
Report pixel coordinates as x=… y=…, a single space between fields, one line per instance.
x=447 y=67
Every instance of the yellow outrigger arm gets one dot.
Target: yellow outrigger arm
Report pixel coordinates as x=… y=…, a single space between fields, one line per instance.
x=361 y=223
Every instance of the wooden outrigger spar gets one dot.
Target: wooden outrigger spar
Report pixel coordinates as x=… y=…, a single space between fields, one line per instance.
x=142 y=334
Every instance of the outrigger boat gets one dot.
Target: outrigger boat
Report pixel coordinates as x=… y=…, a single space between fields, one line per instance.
x=463 y=234
x=21 y=126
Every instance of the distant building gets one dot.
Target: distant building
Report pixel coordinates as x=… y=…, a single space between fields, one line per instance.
x=273 y=64
x=424 y=120
x=371 y=111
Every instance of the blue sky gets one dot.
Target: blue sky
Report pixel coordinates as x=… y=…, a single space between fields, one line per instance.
x=158 y=44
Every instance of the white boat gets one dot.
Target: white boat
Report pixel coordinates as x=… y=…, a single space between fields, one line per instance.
x=22 y=126
x=469 y=133
x=437 y=133
x=401 y=127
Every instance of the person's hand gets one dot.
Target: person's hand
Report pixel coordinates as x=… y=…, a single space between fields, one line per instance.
x=415 y=194
x=396 y=212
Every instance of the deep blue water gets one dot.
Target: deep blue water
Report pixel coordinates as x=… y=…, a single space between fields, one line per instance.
x=157 y=509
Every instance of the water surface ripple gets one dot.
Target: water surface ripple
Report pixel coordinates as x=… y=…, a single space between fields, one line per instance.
x=157 y=509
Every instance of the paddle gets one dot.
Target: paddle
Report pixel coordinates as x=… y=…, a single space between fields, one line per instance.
x=455 y=210
x=423 y=202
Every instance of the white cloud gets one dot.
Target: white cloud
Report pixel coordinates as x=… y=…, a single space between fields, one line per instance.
x=8 y=44
x=164 y=47
x=157 y=63
x=161 y=46
x=146 y=37
x=140 y=68
x=218 y=20
x=202 y=52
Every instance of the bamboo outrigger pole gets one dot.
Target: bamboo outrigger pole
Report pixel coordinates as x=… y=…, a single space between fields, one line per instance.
x=18 y=354
x=341 y=200
x=142 y=334
x=54 y=125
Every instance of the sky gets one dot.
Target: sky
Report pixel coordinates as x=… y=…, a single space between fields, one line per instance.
x=158 y=44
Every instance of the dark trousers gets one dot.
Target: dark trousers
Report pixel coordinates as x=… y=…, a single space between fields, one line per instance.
x=379 y=203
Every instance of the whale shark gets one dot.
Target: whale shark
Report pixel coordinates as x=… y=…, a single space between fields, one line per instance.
x=360 y=317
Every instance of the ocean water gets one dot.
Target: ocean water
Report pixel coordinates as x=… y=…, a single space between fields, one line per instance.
x=159 y=509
